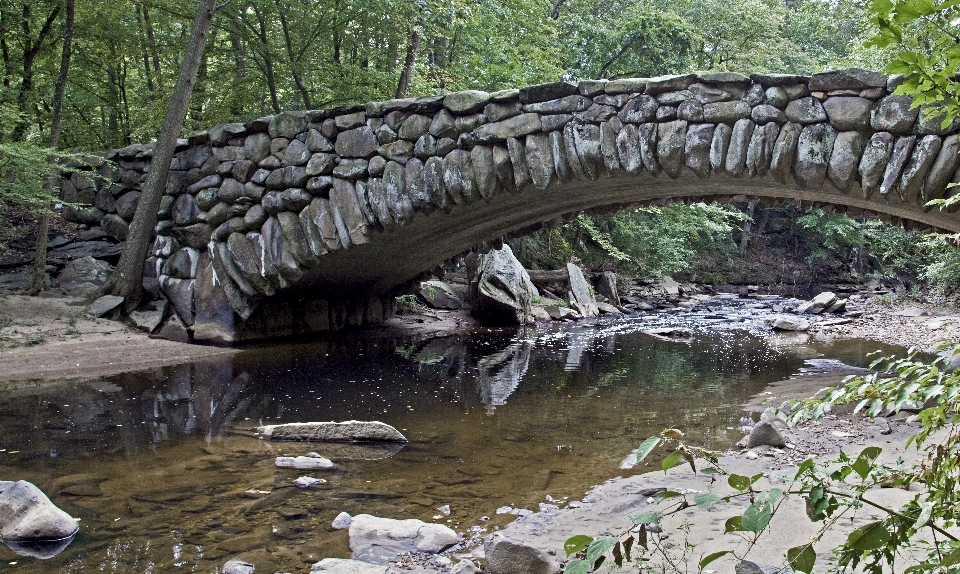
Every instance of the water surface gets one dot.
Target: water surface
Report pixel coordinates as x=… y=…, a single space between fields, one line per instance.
x=165 y=475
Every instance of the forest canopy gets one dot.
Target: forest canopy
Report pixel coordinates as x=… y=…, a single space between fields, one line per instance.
x=267 y=56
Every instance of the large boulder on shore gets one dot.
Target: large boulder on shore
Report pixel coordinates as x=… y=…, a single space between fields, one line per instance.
x=27 y=515
x=818 y=304
x=581 y=298
x=506 y=556
x=765 y=434
x=379 y=540
x=347 y=431
x=504 y=290
x=439 y=295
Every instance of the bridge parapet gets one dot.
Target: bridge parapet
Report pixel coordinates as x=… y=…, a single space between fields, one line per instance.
x=335 y=210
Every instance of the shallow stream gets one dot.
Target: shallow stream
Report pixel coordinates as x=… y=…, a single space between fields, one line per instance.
x=163 y=471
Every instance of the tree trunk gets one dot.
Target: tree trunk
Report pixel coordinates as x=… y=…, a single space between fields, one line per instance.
x=409 y=64
x=239 y=73
x=31 y=48
x=745 y=235
x=40 y=252
x=127 y=279
x=152 y=46
x=294 y=67
x=267 y=60
x=147 y=74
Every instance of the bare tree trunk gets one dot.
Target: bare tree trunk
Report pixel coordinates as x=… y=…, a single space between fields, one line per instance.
x=40 y=253
x=127 y=279
x=409 y=64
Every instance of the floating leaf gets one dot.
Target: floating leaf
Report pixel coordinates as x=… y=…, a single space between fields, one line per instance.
x=869 y=537
x=706 y=500
x=711 y=557
x=576 y=544
x=646 y=447
x=802 y=558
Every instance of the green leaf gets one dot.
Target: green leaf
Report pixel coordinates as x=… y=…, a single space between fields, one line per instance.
x=599 y=547
x=739 y=482
x=646 y=447
x=805 y=466
x=672 y=460
x=869 y=537
x=709 y=470
x=757 y=516
x=921 y=567
x=711 y=557
x=645 y=518
x=671 y=433
x=952 y=558
x=802 y=558
x=925 y=513
x=576 y=543
x=577 y=567
x=667 y=494
x=733 y=524
x=706 y=500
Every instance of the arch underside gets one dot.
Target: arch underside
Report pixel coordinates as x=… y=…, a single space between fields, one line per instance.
x=391 y=259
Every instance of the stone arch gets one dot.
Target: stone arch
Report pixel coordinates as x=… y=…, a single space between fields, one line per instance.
x=310 y=221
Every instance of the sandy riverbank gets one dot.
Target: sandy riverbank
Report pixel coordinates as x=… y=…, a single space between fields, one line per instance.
x=46 y=338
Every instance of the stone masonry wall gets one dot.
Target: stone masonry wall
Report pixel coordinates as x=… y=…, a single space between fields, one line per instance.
x=254 y=209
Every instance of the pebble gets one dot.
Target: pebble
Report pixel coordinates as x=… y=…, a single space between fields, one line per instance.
x=342 y=521
x=308 y=481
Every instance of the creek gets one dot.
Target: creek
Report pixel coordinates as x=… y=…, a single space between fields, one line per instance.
x=165 y=474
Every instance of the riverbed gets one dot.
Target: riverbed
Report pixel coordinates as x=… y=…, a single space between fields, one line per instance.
x=165 y=474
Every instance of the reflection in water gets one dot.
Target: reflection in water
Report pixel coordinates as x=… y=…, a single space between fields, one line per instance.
x=165 y=474
x=500 y=374
x=41 y=549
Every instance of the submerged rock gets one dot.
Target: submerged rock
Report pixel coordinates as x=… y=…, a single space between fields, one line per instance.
x=347 y=431
x=237 y=567
x=380 y=540
x=28 y=516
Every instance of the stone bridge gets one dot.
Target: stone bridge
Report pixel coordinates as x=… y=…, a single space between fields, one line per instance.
x=312 y=221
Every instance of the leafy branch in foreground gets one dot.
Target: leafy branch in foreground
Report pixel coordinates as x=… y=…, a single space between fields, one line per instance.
x=922 y=527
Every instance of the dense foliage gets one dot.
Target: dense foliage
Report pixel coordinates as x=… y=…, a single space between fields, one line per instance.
x=264 y=56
